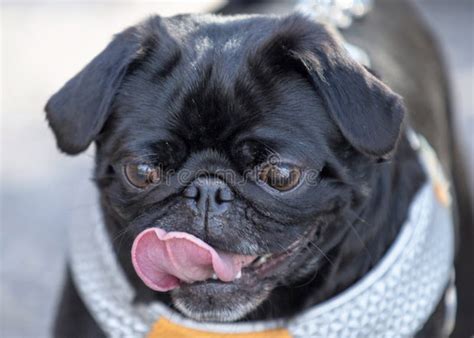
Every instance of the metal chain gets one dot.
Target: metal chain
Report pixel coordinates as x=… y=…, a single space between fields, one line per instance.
x=339 y=13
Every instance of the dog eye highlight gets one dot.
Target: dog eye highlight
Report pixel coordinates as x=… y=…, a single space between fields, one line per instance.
x=282 y=177
x=141 y=175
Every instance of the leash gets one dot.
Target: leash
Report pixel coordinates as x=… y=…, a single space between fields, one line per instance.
x=338 y=13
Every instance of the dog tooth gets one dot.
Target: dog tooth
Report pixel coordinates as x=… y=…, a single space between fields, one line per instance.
x=261 y=260
x=238 y=275
x=214 y=276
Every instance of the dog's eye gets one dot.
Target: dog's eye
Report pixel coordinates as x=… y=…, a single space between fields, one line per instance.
x=280 y=176
x=141 y=175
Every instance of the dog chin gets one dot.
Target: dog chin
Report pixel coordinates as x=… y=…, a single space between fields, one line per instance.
x=212 y=300
x=217 y=308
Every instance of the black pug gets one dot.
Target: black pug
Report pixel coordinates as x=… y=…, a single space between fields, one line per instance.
x=212 y=94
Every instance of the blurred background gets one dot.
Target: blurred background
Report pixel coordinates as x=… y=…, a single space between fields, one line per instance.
x=43 y=44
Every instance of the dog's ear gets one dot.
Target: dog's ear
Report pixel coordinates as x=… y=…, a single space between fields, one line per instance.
x=78 y=111
x=368 y=113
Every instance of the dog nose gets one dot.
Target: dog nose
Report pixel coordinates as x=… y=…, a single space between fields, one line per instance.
x=209 y=195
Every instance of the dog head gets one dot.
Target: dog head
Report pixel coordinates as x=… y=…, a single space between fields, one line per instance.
x=257 y=135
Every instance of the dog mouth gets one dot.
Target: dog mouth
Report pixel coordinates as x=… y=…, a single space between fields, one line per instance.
x=258 y=269
x=166 y=261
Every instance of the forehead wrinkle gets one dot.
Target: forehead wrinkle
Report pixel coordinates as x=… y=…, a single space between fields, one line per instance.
x=220 y=98
x=207 y=107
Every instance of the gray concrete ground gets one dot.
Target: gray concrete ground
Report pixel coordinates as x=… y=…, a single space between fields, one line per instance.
x=44 y=44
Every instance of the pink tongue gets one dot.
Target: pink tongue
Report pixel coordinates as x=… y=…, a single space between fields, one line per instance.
x=164 y=259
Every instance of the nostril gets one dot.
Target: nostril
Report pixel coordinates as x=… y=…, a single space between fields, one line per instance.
x=191 y=192
x=224 y=195
x=208 y=195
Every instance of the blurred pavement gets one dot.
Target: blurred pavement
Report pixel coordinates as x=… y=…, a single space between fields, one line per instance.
x=42 y=46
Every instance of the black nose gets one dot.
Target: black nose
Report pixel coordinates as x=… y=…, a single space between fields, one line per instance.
x=209 y=195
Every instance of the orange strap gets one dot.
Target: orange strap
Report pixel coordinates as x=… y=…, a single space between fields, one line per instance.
x=163 y=328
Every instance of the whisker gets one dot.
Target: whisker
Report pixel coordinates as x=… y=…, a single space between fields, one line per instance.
x=359 y=238
x=316 y=273
x=322 y=252
x=120 y=234
x=313 y=277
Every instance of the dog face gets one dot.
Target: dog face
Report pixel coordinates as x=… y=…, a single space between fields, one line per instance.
x=256 y=134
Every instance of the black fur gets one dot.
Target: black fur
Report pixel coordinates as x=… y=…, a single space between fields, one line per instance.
x=192 y=93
